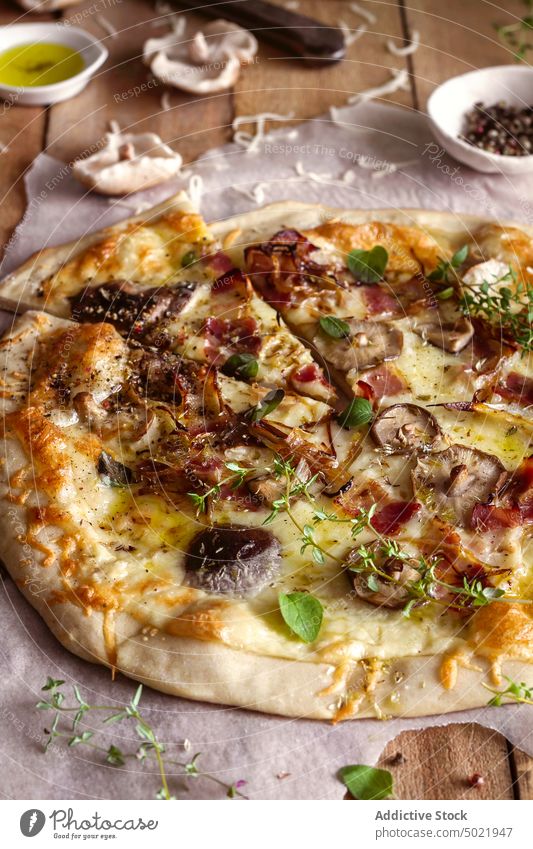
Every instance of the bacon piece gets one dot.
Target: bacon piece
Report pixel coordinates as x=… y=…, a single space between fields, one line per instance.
x=390 y=518
x=233 y=334
x=219 y=262
x=488 y=517
x=518 y=388
x=380 y=302
x=233 y=278
x=380 y=382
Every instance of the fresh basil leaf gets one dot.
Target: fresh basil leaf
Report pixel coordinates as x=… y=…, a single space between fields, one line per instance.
x=367 y=782
x=241 y=365
x=303 y=614
x=335 y=327
x=188 y=259
x=357 y=413
x=270 y=401
x=368 y=266
x=459 y=256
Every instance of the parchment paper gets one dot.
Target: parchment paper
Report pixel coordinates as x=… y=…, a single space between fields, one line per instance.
x=235 y=744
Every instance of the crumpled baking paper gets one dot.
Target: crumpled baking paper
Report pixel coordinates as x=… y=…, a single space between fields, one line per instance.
x=370 y=155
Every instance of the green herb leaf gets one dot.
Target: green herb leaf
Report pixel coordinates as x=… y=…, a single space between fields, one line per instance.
x=367 y=782
x=368 y=266
x=357 y=413
x=267 y=404
x=446 y=270
x=303 y=613
x=52 y=683
x=188 y=259
x=244 y=366
x=335 y=327
x=114 y=756
x=80 y=738
x=445 y=294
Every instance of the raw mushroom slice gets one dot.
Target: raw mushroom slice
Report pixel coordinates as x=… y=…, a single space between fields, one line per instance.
x=405 y=428
x=381 y=592
x=450 y=483
x=128 y=162
x=369 y=344
x=210 y=62
x=232 y=560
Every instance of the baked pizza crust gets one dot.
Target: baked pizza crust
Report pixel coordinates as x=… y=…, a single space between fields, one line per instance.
x=206 y=670
x=18 y=290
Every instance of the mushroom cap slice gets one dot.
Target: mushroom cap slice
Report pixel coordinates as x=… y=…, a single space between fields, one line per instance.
x=451 y=336
x=232 y=560
x=369 y=344
x=207 y=63
x=404 y=428
x=381 y=592
x=451 y=482
x=128 y=162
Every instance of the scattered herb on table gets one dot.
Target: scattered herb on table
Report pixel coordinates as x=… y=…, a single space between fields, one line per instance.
x=68 y=721
x=367 y=782
x=517 y=36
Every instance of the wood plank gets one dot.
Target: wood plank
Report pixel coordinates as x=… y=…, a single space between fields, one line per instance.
x=455 y=38
x=124 y=90
x=279 y=84
x=522 y=766
x=22 y=130
x=438 y=763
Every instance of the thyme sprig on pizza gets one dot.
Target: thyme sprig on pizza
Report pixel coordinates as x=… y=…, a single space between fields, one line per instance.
x=291 y=474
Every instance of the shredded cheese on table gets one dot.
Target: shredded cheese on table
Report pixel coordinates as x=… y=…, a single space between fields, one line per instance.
x=251 y=141
x=351 y=36
x=106 y=25
x=165 y=101
x=399 y=80
x=408 y=50
x=196 y=190
x=363 y=13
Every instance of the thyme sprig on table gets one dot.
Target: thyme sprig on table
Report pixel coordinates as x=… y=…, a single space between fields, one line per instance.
x=67 y=724
x=509 y=309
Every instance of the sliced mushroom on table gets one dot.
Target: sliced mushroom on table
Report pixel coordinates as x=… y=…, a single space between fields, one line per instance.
x=128 y=162
x=376 y=589
x=368 y=344
x=405 y=428
x=451 y=482
x=207 y=63
x=232 y=560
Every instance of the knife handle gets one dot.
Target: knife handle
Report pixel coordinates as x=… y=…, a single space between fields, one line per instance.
x=306 y=37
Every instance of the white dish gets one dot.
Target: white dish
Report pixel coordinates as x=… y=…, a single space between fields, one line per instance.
x=451 y=100
x=93 y=53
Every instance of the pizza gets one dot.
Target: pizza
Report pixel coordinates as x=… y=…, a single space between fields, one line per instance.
x=279 y=462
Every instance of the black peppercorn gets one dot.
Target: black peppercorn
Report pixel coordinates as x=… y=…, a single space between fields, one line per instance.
x=503 y=129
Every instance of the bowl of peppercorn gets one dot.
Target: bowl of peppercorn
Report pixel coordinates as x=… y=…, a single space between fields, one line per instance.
x=485 y=118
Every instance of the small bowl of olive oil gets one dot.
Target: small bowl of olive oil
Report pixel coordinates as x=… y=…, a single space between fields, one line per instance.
x=46 y=63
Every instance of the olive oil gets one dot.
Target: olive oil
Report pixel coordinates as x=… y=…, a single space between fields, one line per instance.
x=39 y=64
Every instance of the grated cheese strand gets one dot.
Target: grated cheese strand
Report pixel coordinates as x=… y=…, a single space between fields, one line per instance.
x=106 y=25
x=351 y=36
x=399 y=80
x=114 y=126
x=196 y=190
x=257 y=193
x=363 y=13
x=165 y=101
x=312 y=175
x=408 y=50
x=248 y=140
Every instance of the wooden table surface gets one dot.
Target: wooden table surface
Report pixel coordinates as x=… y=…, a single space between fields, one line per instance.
x=455 y=36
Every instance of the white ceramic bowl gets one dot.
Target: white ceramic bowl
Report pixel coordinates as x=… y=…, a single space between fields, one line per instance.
x=451 y=100
x=93 y=53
